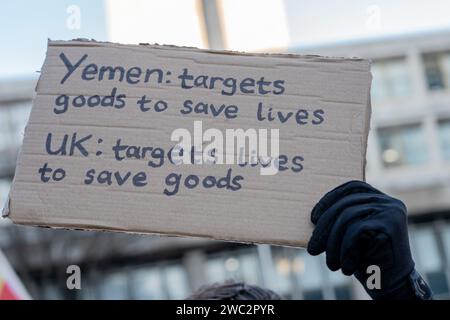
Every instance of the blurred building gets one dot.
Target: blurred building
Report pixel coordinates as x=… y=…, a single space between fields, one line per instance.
x=408 y=156
x=409 y=143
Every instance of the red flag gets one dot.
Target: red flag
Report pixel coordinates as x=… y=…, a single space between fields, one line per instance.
x=6 y=292
x=11 y=288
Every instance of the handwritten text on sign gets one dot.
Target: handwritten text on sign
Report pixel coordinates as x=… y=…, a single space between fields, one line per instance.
x=157 y=156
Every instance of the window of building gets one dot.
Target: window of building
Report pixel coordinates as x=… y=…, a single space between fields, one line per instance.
x=239 y=265
x=288 y=266
x=437 y=70
x=13 y=119
x=50 y=291
x=302 y=276
x=4 y=190
x=114 y=286
x=311 y=277
x=88 y=291
x=429 y=259
x=176 y=281
x=19 y=114
x=341 y=285
x=444 y=138
x=281 y=277
x=215 y=270
x=446 y=242
x=391 y=79
x=147 y=284
x=5 y=131
x=404 y=145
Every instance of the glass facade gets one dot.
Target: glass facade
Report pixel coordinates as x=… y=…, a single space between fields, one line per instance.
x=391 y=79
x=402 y=146
x=444 y=138
x=293 y=273
x=437 y=69
x=13 y=118
x=240 y=265
x=4 y=189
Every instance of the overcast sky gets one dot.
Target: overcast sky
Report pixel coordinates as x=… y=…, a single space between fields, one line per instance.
x=26 y=25
x=324 y=21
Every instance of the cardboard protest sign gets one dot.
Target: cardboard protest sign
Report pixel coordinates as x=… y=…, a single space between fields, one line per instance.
x=118 y=136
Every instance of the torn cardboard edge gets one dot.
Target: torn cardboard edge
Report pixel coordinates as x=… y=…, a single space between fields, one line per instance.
x=94 y=43
x=5 y=210
x=108 y=229
x=368 y=127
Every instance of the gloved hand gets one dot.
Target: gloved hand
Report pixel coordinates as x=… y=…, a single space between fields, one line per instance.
x=358 y=226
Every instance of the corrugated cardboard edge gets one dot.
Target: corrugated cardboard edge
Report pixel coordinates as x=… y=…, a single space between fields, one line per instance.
x=367 y=124
x=5 y=211
x=83 y=42
x=100 y=228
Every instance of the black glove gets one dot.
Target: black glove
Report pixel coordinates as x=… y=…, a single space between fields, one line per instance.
x=358 y=226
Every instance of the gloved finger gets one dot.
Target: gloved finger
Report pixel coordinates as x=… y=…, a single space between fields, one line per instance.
x=386 y=211
x=371 y=248
x=337 y=193
x=392 y=222
x=394 y=218
x=319 y=238
x=364 y=244
x=350 y=216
